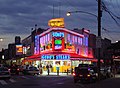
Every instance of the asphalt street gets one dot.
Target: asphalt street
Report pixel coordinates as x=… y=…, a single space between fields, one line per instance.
x=22 y=81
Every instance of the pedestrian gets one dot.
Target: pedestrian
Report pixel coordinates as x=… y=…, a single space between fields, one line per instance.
x=50 y=67
x=40 y=68
x=114 y=70
x=48 y=71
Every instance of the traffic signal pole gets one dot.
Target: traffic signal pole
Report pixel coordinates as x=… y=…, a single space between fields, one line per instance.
x=99 y=35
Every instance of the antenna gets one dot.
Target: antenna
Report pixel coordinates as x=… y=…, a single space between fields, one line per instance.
x=36 y=28
x=59 y=9
x=53 y=10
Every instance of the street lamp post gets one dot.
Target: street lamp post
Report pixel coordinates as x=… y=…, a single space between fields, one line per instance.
x=99 y=35
x=69 y=13
x=99 y=31
x=1 y=39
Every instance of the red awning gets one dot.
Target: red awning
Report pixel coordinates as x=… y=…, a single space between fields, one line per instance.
x=73 y=56
x=33 y=57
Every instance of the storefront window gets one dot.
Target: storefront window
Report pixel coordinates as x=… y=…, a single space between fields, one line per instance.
x=57 y=62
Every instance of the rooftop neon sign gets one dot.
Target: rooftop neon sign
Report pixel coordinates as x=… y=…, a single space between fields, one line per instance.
x=58 y=34
x=56 y=22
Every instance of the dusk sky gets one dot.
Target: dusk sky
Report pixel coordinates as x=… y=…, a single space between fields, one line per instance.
x=17 y=17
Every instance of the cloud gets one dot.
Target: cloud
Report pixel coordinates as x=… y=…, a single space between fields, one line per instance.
x=17 y=17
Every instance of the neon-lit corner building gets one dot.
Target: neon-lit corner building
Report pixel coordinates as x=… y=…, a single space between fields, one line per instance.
x=60 y=47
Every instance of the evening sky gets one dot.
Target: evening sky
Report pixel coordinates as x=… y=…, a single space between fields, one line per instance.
x=18 y=17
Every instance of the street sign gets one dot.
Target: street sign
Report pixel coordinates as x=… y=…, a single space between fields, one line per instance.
x=98 y=42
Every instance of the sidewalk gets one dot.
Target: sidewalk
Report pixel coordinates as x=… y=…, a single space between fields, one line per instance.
x=55 y=74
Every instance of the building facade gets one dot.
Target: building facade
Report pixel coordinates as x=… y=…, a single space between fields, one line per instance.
x=61 y=48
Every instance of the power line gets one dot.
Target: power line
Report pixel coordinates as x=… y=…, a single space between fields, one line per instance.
x=113 y=5
x=110 y=13
x=110 y=31
x=106 y=31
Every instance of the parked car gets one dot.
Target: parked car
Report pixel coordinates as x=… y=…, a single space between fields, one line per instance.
x=31 y=71
x=20 y=68
x=109 y=72
x=84 y=74
x=118 y=70
x=4 y=72
x=83 y=65
x=14 y=69
x=103 y=72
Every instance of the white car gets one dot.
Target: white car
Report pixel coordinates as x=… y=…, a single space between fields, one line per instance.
x=32 y=70
x=4 y=72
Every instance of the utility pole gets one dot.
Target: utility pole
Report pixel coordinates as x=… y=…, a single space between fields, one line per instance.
x=99 y=35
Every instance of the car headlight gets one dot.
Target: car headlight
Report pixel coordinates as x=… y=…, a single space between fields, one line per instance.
x=96 y=74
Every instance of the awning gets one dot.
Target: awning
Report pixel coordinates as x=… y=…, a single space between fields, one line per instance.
x=73 y=56
x=33 y=57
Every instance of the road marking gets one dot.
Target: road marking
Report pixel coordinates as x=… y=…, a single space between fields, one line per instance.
x=25 y=77
x=60 y=83
x=11 y=80
x=3 y=82
x=80 y=85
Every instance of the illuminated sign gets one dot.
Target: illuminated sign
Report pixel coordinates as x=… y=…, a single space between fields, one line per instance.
x=58 y=41
x=24 y=50
x=55 y=57
x=58 y=34
x=57 y=22
x=58 y=44
x=19 y=50
x=87 y=31
x=36 y=48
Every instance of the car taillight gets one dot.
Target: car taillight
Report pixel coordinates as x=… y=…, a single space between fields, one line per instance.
x=88 y=75
x=80 y=75
x=73 y=74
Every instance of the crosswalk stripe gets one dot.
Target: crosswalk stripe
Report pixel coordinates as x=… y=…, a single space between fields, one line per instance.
x=11 y=80
x=3 y=82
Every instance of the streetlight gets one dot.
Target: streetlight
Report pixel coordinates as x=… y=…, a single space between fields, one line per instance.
x=1 y=39
x=99 y=30
x=70 y=12
x=99 y=35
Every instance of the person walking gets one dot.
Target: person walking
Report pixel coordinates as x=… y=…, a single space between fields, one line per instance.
x=48 y=70
x=40 y=69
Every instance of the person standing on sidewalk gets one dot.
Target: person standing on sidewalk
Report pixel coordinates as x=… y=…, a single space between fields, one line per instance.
x=40 y=69
x=114 y=70
x=48 y=70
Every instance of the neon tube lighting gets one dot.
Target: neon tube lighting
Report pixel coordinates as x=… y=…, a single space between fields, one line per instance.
x=64 y=29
